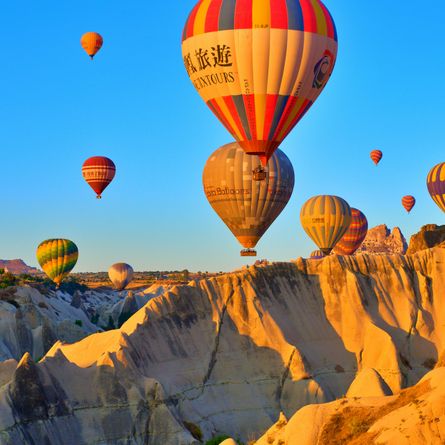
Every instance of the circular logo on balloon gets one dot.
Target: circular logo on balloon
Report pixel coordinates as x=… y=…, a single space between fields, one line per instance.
x=323 y=70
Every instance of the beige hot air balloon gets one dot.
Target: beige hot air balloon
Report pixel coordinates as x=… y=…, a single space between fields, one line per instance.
x=326 y=219
x=248 y=207
x=121 y=275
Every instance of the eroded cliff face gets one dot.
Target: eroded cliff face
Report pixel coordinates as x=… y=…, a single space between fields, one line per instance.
x=232 y=352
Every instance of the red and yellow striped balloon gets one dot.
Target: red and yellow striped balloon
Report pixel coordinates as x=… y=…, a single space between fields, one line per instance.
x=98 y=171
x=259 y=64
x=376 y=156
x=408 y=202
x=354 y=236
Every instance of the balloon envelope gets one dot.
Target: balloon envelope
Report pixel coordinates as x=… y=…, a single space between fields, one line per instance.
x=121 y=275
x=57 y=257
x=408 y=202
x=317 y=255
x=91 y=42
x=259 y=65
x=436 y=184
x=326 y=219
x=376 y=156
x=98 y=171
x=246 y=206
x=354 y=236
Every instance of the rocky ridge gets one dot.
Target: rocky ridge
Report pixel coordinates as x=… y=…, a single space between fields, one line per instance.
x=230 y=353
x=381 y=240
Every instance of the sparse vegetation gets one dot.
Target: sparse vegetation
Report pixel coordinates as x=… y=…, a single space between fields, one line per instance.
x=78 y=323
x=218 y=439
x=194 y=430
x=351 y=425
x=430 y=363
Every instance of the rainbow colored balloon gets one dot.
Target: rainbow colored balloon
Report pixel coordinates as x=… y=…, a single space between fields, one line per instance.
x=57 y=257
x=354 y=236
x=259 y=64
x=436 y=184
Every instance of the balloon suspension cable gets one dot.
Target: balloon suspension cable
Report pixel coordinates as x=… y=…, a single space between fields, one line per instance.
x=248 y=252
x=260 y=173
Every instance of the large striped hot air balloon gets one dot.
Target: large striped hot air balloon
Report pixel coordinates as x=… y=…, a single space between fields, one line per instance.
x=246 y=206
x=259 y=64
x=436 y=184
x=121 y=275
x=376 y=156
x=326 y=219
x=408 y=203
x=91 y=42
x=98 y=171
x=57 y=257
x=354 y=236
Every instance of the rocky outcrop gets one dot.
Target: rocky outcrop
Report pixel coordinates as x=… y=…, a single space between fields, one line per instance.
x=18 y=267
x=381 y=240
x=414 y=417
x=429 y=236
x=230 y=353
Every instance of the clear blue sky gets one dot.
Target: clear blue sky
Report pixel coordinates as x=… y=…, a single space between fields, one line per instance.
x=135 y=104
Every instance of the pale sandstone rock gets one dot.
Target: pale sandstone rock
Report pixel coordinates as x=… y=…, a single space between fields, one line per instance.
x=368 y=383
x=231 y=353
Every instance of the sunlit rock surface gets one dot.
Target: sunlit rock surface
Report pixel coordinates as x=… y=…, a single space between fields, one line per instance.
x=381 y=240
x=230 y=353
x=414 y=417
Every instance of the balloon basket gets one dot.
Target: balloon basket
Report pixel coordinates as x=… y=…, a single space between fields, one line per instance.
x=99 y=197
x=248 y=252
x=259 y=174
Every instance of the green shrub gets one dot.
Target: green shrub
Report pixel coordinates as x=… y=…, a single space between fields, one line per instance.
x=78 y=323
x=195 y=431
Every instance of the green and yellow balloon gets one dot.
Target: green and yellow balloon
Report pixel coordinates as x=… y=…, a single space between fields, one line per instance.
x=57 y=257
x=326 y=219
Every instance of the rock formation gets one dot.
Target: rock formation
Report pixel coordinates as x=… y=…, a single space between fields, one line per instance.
x=230 y=353
x=18 y=267
x=416 y=416
x=380 y=240
x=429 y=236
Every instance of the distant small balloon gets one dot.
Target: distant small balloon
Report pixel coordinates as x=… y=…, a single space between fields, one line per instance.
x=436 y=185
x=317 y=255
x=121 y=275
x=355 y=235
x=376 y=156
x=326 y=219
x=91 y=42
x=408 y=202
x=98 y=171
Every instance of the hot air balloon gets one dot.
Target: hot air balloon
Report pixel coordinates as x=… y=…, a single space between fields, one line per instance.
x=354 y=236
x=57 y=257
x=317 y=255
x=326 y=219
x=436 y=184
x=259 y=65
x=91 y=42
x=246 y=206
x=408 y=202
x=376 y=156
x=98 y=171
x=121 y=275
